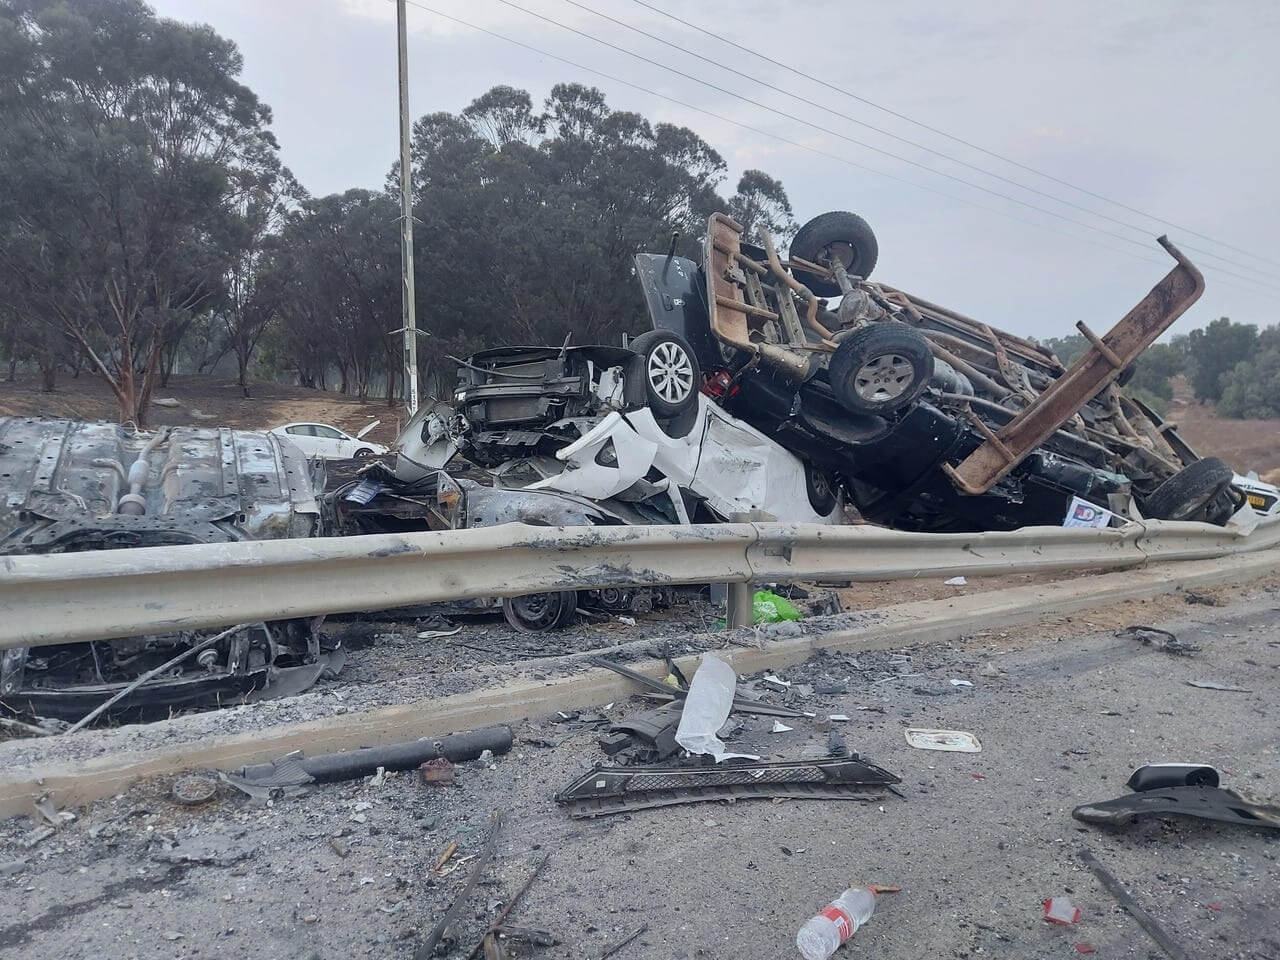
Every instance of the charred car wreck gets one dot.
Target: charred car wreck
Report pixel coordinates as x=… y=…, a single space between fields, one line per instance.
x=78 y=486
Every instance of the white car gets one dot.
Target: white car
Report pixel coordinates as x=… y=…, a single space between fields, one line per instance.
x=1263 y=497
x=328 y=442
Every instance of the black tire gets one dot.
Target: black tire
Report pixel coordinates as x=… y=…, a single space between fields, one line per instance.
x=837 y=234
x=821 y=488
x=669 y=371
x=1189 y=491
x=363 y=452
x=881 y=368
x=536 y=612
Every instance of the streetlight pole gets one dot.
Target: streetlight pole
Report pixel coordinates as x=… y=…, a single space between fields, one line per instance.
x=409 y=321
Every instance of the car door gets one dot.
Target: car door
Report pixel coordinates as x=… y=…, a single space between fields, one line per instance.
x=303 y=436
x=333 y=443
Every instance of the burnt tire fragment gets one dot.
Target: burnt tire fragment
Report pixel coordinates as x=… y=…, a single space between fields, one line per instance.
x=881 y=368
x=535 y=612
x=837 y=235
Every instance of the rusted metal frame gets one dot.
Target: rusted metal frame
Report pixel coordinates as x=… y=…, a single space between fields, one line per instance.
x=1064 y=434
x=722 y=250
x=1014 y=376
x=744 y=307
x=811 y=314
x=1134 y=446
x=1019 y=345
x=1148 y=429
x=1139 y=328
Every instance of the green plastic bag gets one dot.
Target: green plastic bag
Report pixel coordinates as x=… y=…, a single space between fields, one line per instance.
x=768 y=607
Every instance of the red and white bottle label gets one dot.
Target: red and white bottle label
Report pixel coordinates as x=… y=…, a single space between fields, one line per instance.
x=844 y=926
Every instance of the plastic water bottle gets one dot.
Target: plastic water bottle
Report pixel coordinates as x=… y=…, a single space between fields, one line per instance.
x=822 y=935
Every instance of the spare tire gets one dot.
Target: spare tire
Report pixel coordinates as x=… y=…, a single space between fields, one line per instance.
x=880 y=368
x=1189 y=491
x=838 y=235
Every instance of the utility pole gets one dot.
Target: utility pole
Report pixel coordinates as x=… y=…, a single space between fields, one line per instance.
x=409 y=321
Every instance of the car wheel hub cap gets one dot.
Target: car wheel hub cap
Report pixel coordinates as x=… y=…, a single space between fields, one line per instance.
x=884 y=378
x=670 y=372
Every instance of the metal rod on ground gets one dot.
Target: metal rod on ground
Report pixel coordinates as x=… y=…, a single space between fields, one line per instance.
x=407 y=313
x=168 y=665
x=1131 y=905
x=510 y=905
x=428 y=946
x=623 y=942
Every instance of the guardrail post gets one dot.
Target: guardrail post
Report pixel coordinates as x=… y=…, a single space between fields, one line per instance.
x=738 y=611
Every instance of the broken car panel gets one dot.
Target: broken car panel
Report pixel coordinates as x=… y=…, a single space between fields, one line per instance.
x=92 y=486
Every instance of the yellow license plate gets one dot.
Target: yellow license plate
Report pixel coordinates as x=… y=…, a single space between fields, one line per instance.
x=1256 y=501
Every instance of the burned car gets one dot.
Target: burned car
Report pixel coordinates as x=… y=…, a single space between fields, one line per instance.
x=73 y=486
x=927 y=419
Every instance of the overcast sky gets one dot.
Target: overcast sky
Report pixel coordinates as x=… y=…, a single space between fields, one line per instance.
x=1169 y=107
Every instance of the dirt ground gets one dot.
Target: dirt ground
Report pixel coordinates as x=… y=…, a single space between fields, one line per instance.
x=976 y=845
x=205 y=401
x=1244 y=444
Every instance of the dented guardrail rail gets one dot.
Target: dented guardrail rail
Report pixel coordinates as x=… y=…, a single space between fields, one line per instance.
x=61 y=598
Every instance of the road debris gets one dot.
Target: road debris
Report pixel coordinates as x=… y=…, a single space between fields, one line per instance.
x=780 y=727
x=822 y=935
x=956 y=582
x=1158 y=639
x=1061 y=910
x=426 y=947
x=295 y=770
x=1132 y=907
x=957 y=741
x=447 y=855
x=609 y=790
x=610 y=951
x=497 y=925
x=1189 y=790
x=1211 y=685
x=192 y=790
x=706 y=708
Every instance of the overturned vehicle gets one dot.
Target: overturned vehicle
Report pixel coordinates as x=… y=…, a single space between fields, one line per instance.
x=925 y=418
x=73 y=486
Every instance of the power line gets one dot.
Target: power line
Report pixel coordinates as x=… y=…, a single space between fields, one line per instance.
x=794 y=143
x=889 y=133
x=861 y=143
x=960 y=140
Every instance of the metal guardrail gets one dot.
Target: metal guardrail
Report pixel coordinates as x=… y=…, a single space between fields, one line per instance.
x=62 y=598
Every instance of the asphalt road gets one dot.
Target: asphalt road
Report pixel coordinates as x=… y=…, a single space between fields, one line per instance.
x=977 y=845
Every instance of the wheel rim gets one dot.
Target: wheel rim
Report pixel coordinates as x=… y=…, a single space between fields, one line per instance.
x=885 y=377
x=842 y=251
x=670 y=372
x=536 y=611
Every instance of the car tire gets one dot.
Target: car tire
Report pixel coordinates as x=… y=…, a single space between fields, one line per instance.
x=536 y=612
x=1189 y=491
x=881 y=368
x=363 y=452
x=837 y=234
x=821 y=488
x=669 y=370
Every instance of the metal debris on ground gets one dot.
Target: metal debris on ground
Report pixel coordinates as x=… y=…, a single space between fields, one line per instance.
x=1158 y=639
x=610 y=951
x=497 y=925
x=1203 y=599
x=447 y=855
x=1132 y=907
x=192 y=790
x=426 y=947
x=609 y=790
x=957 y=741
x=436 y=773
x=1211 y=685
